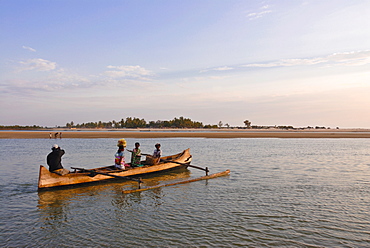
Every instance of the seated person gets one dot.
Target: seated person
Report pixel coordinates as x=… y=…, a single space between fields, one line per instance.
x=119 y=158
x=156 y=157
x=157 y=153
x=136 y=156
x=54 y=160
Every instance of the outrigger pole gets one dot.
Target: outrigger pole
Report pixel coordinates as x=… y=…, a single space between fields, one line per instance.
x=193 y=166
x=224 y=173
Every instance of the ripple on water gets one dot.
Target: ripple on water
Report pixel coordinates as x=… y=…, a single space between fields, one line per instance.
x=284 y=193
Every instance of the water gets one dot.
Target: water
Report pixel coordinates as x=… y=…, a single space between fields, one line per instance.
x=281 y=192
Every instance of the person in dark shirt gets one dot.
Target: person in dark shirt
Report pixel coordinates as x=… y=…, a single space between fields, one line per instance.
x=54 y=160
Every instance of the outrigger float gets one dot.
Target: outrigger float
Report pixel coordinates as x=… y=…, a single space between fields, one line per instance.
x=48 y=179
x=219 y=174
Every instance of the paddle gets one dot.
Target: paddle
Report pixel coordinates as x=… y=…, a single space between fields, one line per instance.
x=193 y=166
x=93 y=173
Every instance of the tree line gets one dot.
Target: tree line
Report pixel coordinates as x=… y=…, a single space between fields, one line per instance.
x=134 y=122
x=18 y=127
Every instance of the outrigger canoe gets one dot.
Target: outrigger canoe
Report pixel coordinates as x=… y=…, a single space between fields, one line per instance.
x=48 y=179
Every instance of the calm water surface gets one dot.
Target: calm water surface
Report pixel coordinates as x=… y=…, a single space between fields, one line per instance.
x=280 y=193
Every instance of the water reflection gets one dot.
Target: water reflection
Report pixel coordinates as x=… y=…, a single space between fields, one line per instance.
x=57 y=205
x=53 y=207
x=152 y=197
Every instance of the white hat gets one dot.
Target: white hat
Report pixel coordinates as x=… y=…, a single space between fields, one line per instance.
x=55 y=146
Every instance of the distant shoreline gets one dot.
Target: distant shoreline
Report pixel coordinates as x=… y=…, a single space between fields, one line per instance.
x=186 y=133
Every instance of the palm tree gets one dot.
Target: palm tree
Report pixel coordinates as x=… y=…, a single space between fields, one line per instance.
x=247 y=123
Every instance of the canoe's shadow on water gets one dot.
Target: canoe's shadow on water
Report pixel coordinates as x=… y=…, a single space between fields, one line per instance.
x=152 y=198
x=60 y=195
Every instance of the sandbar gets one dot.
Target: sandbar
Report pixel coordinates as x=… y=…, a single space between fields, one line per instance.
x=148 y=133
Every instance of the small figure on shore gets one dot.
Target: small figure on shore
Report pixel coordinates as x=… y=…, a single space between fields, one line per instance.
x=54 y=160
x=136 y=156
x=56 y=135
x=119 y=157
x=50 y=136
x=60 y=135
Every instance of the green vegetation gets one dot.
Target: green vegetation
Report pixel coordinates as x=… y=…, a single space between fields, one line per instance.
x=141 y=123
x=17 y=127
x=133 y=122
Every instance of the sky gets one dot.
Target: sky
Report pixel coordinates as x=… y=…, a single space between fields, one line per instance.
x=288 y=62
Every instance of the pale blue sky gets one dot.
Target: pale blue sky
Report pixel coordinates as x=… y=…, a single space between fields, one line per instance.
x=300 y=63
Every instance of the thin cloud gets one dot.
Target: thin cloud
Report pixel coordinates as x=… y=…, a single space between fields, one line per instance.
x=37 y=65
x=348 y=59
x=56 y=80
x=127 y=72
x=264 y=10
x=351 y=58
x=223 y=68
x=29 y=48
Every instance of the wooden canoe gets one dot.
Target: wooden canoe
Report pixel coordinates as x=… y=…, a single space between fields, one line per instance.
x=48 y=179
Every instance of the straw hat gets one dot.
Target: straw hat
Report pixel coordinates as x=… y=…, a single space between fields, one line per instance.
x=122 y=142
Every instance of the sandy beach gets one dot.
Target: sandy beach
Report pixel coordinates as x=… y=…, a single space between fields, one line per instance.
x=176 y=133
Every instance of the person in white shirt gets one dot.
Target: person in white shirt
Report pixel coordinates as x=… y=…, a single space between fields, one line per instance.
x=157 y=152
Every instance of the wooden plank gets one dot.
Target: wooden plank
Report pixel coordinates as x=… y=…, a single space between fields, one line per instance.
x=219 y=174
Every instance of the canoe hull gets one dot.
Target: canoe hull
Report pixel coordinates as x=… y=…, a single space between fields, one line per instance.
x=48 y=179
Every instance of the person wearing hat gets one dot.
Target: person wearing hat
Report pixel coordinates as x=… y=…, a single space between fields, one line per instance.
x=54 y=160
x=119 y=157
